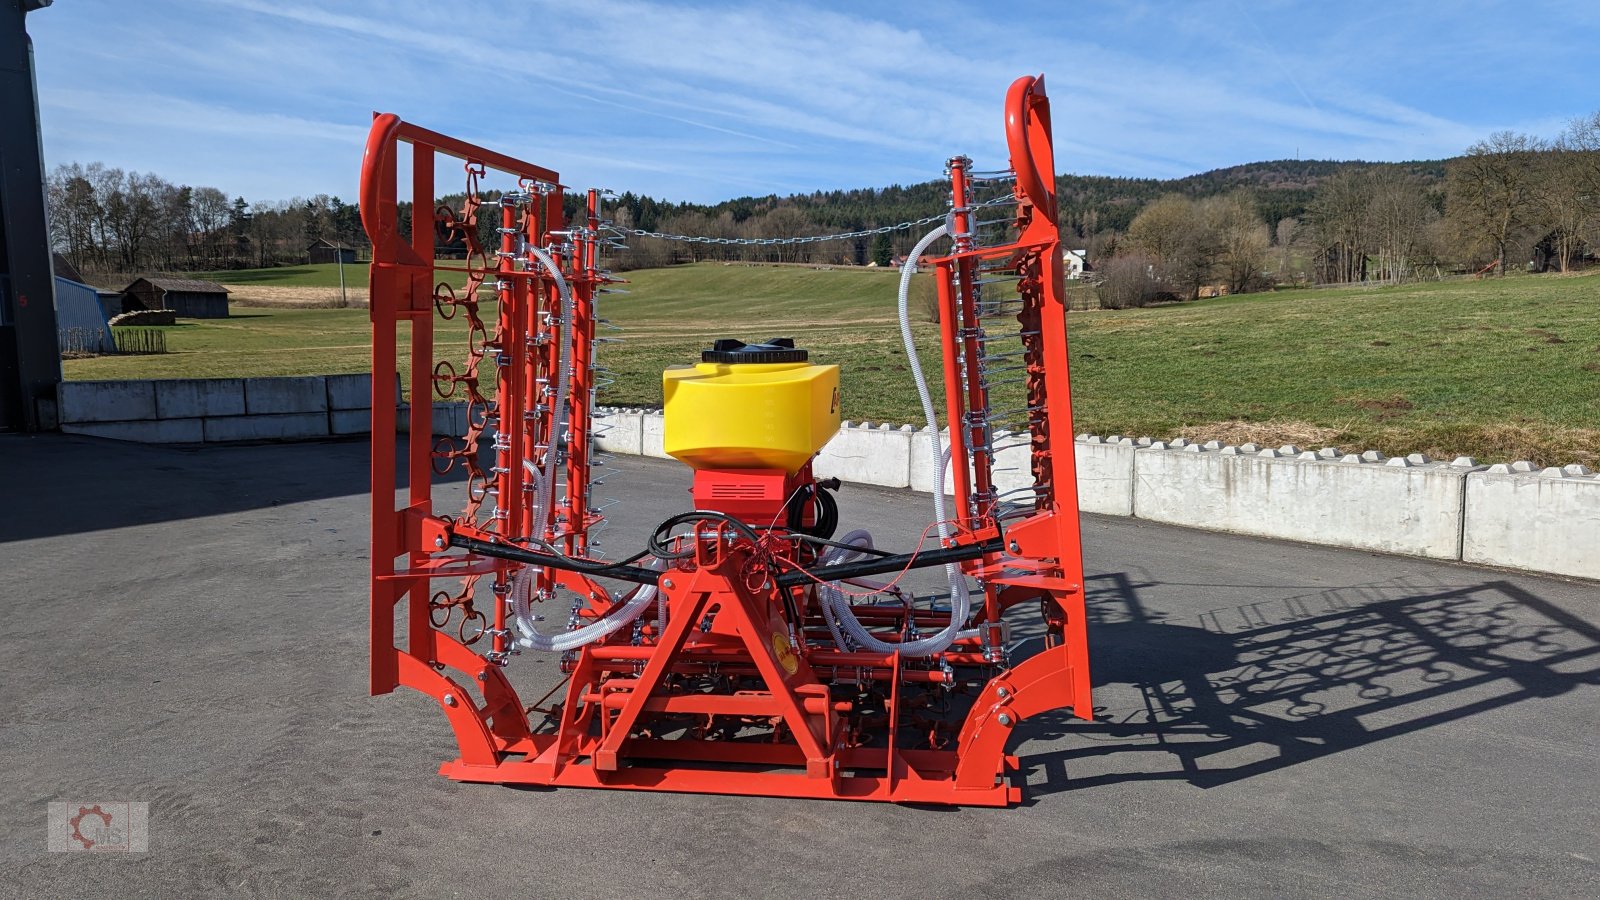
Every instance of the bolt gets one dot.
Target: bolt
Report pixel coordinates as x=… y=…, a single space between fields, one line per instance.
x=483 y=675
x=1014 y=547
x=449 y=699
x=439 y=542
x=667 y=583
x=1004 y=719
x=1002 y=692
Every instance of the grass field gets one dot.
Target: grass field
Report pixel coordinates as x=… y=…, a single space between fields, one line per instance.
x=319 y=275
x=1500 y=369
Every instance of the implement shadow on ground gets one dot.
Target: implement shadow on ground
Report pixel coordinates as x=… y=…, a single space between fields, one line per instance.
x=1257 y=688
x=68 y=484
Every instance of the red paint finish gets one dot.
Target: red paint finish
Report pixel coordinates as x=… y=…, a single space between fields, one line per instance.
x=727 y=683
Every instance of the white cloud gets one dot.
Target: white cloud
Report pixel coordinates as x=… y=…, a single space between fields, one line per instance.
x=708 y=99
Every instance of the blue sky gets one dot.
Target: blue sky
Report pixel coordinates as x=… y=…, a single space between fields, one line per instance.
x=709 y=100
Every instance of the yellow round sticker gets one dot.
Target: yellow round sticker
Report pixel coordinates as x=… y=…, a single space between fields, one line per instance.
x=784 y=650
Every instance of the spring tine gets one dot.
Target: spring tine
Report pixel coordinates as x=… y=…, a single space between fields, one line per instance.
x=1004 y=381
x=1030 y=489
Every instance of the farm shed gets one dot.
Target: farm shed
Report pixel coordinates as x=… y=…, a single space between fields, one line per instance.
x=80 y=321
x=189 y=299
x=110 y=301
x=325 y=251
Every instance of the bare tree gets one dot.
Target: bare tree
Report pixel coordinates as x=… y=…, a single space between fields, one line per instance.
x=210 y=213
x=1341 y=226
x=1491 y=191
x=1563 y=208
x=74 y=212
x=1399 y=215
x=1127 y=281
x=1286 y=236
x=1177 y=234
x=1240 y=239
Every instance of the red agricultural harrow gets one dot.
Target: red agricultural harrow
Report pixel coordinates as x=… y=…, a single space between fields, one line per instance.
x=745 y=650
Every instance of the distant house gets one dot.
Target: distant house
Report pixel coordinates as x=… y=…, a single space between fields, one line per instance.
x=189 y=299
x=1076 y=262
x=323 y=250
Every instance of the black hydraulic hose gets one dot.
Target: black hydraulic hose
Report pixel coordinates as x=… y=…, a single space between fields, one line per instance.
x=639 y=575
x=619 y=571
x=886 y=564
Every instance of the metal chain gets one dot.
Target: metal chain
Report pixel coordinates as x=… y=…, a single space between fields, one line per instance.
x=812 y=239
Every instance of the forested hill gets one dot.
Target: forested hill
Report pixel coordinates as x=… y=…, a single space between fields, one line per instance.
x=1090 y=204
x=1282 y=188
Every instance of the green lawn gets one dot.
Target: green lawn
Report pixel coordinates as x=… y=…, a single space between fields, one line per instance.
x=319 y=275
x=1500 y=369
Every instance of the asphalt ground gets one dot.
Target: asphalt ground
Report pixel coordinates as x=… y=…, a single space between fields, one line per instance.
x=187 y=627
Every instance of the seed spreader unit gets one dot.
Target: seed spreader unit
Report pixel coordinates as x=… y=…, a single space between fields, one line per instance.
x=752 y=646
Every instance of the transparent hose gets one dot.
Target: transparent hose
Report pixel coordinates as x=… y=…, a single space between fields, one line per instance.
x=532 y=639
x=835 y=603
x=544 y=484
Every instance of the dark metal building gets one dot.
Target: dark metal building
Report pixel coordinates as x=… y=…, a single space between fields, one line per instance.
x=30 y=359
x=189 y=299
x=326 y=251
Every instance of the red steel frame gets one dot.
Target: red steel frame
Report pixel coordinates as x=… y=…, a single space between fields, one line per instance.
x=722 y=618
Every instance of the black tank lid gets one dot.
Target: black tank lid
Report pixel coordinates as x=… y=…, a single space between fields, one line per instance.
x=775 y=350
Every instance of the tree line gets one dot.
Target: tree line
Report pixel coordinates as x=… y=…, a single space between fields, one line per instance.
x=107 y=220
x=1511 y=200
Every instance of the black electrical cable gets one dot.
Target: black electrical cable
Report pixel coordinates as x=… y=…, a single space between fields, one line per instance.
x=827 y=515
x=619 y=571
x=824 y=542
x=660 y=550
x=827 y=509
x=896 y=563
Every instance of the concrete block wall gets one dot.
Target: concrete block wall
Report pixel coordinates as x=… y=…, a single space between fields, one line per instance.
x=1403 y=505
x=1513 y=515
x=1547 y=520
x=619 y=430
x=222 y=410
x=868 y=454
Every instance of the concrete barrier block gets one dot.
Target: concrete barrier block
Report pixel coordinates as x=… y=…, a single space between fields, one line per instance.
x=1529 y=520
x=105 y=401
x=355 y=391
x=1414 y=510
x=195 y=398
x=1105 y=477
x=923 y=461
x=446 y=418
x=620 y=431
x=449 y=418
x=651 y=434
x=349 y=421
x=866 y=455
x=147 y=431
x=277 y=396
x=1013 y=464
x=284 y=427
